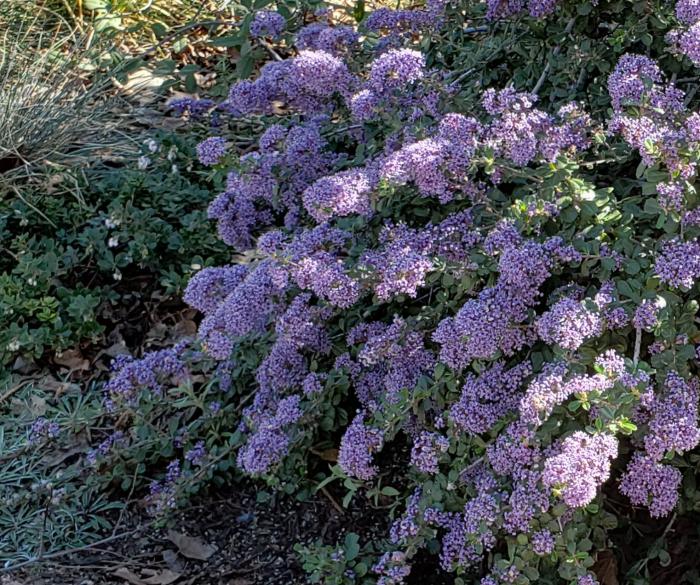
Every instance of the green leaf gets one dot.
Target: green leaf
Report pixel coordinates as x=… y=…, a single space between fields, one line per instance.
x=352 y=546
x=227 y=41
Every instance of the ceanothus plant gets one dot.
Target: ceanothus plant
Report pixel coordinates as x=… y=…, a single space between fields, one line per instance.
x=477 y=288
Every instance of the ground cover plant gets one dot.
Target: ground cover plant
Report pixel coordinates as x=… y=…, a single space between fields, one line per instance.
x=462 y=288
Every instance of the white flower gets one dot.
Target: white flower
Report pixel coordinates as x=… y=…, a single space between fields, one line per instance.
x=143 y=162
x=13 y=345
x=174 y=170
x=117 y=275
x=152 y=145
x=31 y=281
x=172 y=153
x=113 y=242
x=112 y=222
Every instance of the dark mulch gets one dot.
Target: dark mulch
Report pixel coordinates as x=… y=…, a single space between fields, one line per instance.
x=253 y=544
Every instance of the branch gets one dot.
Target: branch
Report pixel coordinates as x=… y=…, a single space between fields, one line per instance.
x=555 y=52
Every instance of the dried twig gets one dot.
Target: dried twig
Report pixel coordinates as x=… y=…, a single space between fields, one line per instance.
x=335 y=504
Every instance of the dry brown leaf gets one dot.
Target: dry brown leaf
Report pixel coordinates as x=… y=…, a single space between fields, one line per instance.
x=72 y=359
x=37 y=406
x=184 y=328
x=191 y=547
x=60 y=388
x=329 y=455
x=127 y=575
x=164 y=578
x=24 y=366
x=58 y=456
x=170 y=558
x=605 y=568
x=157 y=333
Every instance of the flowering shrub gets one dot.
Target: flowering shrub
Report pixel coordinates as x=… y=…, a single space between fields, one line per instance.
x=482 y=290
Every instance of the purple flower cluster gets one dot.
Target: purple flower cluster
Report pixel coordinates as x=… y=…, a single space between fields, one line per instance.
x=245 y=309
x=629 y=82
x=268 y=425
x=103 y=449
x=307 y=83
x=678 y=263
x=491 y=322
x=357 y=447
x=402 y=264
x=520 y=132
x=498 y=9
x=426 y=451
x=393 y=568
x=543 y=542
x=649 y=483
x=43 y=429
x=392 y=359
x=407 y=526
x=674 y=418
x=188 y=106
x=686 y=40
x=339 y=195
x=210 y=286
x=196 y=454
x=526 y=500
x=651 y=116
x=437 y=166
x=130 y=376
x=581 y=467
x=269 y=183
x=211 y=151
x=488 y=397
x=313 y=261
x=688 y=11
x=514 y=451
x=163 y=494
x=569 y=323
x=397 y=24
x=319 y=36
x=267 y=23
x=647 y=315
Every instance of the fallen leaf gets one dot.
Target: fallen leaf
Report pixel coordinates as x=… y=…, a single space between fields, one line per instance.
x=37 y=407
x=164 y=578
x=191 y=547
x=170 y=558
x=329 y=455
x=605 y=568
x=58 y=456
x=72 y=359
x=59 y=388
x=127 y=575
x=23 y=366
x=183 y=329
x=157 y=333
